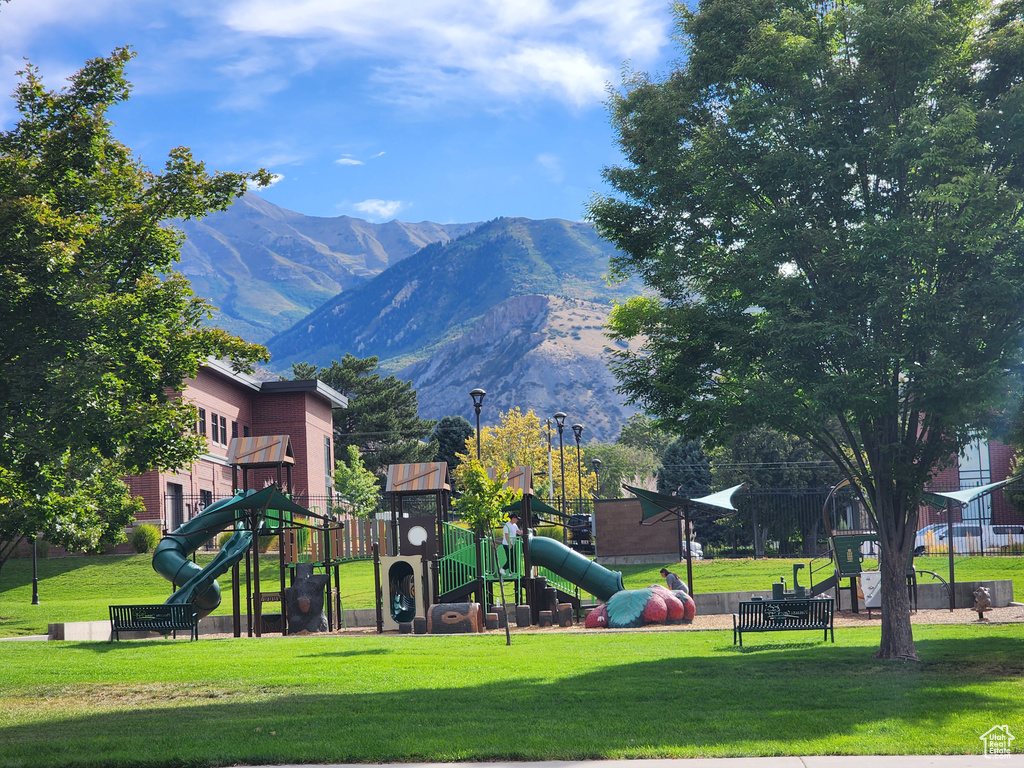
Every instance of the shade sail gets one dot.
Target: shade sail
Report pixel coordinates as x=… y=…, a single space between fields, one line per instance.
x=965 y=496
x=268 y=498
x=715 y=505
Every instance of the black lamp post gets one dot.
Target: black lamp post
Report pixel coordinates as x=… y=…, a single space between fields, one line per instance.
x=478 y=400
x=596 y=464
x=35 y=574
x=560 y=422
x=577 y=431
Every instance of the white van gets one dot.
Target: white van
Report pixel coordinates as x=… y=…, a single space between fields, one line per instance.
x=969 y=538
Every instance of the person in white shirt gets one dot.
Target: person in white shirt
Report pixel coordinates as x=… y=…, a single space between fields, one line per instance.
x=509 y=532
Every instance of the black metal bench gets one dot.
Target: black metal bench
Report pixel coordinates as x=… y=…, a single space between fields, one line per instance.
x=153 y=618
x=783 y=616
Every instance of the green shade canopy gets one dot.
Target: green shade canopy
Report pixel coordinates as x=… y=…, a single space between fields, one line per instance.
x=268 y=498
x=966 y=496
x=715 y=505
x=536 y=506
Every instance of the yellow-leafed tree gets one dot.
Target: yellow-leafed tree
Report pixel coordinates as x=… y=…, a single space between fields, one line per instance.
x=521 y=440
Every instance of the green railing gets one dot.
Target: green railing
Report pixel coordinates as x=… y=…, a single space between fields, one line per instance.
x=492 y=566
x=456 y=569
x=560 y=582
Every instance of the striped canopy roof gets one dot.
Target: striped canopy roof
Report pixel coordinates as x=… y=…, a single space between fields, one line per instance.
x=262 y=451
x=418 y=478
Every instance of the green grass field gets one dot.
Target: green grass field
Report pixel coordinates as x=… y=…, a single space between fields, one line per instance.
x=81 y=588
x=550 y=695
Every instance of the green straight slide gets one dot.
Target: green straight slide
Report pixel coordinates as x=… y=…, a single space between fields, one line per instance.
x=571 y=565
x=171 y=558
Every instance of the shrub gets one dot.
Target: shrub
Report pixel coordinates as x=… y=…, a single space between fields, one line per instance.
x=144 y=538
x=550 y=532
x=267 y=543
x=223 y=538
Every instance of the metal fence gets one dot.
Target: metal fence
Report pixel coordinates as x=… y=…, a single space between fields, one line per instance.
x=770 y=522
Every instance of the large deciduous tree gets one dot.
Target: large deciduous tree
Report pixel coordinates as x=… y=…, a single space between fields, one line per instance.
x=826 y=199
x=96 y=329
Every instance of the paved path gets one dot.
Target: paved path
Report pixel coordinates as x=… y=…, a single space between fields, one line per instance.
x=845 y=761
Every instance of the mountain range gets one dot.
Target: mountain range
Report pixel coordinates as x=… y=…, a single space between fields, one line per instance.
x=514 y=306
x=266 y=267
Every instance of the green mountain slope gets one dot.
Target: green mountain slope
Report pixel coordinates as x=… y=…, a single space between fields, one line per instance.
x=266 y=268
x=416 y=306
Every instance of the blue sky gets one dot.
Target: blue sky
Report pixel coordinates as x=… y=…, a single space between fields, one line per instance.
x=439 y=110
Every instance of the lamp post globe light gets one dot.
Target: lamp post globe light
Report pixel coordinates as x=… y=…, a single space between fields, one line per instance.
x=596 y=464
x=560 y=422
x=478 y=400
x=577 y=431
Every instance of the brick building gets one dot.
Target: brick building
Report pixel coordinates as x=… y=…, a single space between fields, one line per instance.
x=237 y=405
x=983 y=462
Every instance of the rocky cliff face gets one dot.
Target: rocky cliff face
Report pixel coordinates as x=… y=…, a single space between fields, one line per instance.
x=515 y=306
x=536 y=352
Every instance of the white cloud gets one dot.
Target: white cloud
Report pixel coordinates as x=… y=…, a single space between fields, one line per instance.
x=379 y=209
x=349 y=161
x=430 y=50
x=23 y=20
x=274 y=178
x=552 y=165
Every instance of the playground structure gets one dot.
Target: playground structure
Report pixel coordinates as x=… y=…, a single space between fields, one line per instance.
x=305 y=537
x=852 y=535
x=429 y=559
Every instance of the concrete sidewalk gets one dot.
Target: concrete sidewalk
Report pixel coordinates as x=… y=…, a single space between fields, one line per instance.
x=844 y=761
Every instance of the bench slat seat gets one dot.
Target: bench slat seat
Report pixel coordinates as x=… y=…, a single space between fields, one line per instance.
x=783 y=616
x=153 y=618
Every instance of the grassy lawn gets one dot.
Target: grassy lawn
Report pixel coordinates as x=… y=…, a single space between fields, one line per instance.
x=81 y=588
x=564 y=696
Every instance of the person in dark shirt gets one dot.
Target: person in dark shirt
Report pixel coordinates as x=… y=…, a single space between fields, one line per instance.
x=673 y=581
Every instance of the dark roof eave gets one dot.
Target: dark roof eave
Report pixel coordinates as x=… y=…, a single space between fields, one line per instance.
x=312 y=386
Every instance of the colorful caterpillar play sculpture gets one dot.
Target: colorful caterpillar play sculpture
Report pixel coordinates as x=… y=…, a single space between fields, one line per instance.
x=636 y=607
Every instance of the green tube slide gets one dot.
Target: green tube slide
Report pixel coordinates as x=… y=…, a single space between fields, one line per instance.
x=171 y=558
x=571 y=565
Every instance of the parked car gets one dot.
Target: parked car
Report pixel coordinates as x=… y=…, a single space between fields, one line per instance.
x=696 y=550
x=580 y=533
x=927 y=536
x=969 y=538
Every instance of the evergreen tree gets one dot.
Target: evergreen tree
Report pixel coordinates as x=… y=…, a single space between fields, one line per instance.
x=382 y=418
x=451 y=435
x=685 y=470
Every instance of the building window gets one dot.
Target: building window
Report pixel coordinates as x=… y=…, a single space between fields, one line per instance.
x=245 y=430
x=202 y=421
x=328 y=467
x=205 y=499
x=223 y=430
x=234 y=429
x=214 y=428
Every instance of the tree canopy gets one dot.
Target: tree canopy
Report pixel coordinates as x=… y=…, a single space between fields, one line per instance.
x=825 y=199
x=451 y=434
x=356 y=485
x=519 y=440
x=96 y=329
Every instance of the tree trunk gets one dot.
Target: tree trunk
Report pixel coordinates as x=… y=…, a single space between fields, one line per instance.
x=897 y=634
